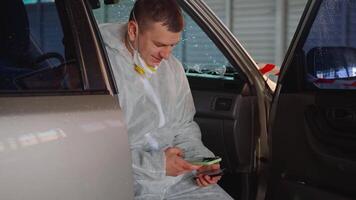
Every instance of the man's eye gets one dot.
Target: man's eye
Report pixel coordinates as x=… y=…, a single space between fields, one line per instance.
x=159 y=45
x=163 y=45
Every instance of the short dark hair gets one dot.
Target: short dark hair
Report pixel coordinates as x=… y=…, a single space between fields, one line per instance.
x=166 y=11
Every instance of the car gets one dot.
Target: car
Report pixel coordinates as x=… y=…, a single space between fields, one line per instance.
x=62 y=130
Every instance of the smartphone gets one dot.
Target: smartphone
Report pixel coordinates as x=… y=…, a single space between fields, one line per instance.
x=211 y=173
x=204 y=160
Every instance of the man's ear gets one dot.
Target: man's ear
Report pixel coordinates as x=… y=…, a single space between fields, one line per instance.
x=132 y=30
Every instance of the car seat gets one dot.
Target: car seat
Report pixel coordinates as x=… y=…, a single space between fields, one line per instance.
x=14 y=42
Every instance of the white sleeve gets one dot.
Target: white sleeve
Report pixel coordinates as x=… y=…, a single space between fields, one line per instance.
x=188 y=134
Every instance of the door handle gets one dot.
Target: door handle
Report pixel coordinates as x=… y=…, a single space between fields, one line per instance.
x=341 y=114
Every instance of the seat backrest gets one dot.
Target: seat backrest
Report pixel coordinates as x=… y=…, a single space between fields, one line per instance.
x=14 y=30
x=324 y=59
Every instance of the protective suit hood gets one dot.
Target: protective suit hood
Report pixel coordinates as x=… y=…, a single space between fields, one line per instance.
x=113 y=35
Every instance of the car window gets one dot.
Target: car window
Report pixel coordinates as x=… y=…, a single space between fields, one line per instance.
x=35 y=54
x=330 y=47
x=198 y=54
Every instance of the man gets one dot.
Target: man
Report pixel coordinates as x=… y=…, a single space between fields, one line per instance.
x=157 y=104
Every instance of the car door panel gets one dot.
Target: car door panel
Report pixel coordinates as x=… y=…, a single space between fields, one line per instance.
x=313 y=113
x=234 y=125
x=227 y=122
x=215 y=104
x=313 y=166
x=330 y=134
x=301 y=191
x=63 y=147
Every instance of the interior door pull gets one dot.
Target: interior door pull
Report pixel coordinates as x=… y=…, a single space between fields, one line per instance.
x=342 y=114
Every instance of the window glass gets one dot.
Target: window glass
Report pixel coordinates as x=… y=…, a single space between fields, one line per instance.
x=114 y=12
x=30 y=1
x=198 y=54
x=36 y=1
x=330 y=47
x=35 y=55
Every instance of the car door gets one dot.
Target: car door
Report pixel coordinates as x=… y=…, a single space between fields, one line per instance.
x=313 y=118
x=62 y=132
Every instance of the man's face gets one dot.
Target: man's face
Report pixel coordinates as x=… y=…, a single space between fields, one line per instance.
x=156 y=43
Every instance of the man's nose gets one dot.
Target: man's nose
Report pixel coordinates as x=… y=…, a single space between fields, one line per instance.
x=166 y=51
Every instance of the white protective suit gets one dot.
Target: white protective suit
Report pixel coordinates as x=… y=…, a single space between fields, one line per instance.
x=159 y=113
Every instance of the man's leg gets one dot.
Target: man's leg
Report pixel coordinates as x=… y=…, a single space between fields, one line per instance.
x=187 y=189
x=153 y=190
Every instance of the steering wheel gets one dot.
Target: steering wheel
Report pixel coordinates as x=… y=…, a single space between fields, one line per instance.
x=46 y=56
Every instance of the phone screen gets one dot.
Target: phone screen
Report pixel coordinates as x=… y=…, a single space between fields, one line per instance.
x=204 y=160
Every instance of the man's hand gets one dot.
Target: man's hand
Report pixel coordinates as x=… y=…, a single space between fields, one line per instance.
x=175 y=164
x=205 y=180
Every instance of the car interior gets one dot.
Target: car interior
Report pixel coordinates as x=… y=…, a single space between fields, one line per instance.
x=25 y=64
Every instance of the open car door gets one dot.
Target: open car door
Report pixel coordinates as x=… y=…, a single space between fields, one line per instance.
x=313 y=115
x=62 y=133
